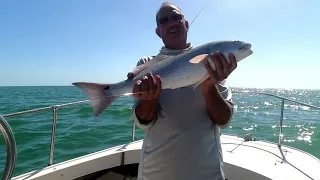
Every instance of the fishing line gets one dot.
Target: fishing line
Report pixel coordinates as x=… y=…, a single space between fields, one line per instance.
x=125 y=94
x=199 y=13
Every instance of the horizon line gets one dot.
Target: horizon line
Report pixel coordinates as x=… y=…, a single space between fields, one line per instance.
x=240 y=87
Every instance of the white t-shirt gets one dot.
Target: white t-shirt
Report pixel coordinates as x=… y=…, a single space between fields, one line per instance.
x=181 y=143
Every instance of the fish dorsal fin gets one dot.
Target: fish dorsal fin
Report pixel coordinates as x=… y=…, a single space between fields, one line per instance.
x=198 y=59
x=147 y=64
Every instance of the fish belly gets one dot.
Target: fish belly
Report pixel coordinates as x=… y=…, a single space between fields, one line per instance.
x=181 y=75
x=176 y=73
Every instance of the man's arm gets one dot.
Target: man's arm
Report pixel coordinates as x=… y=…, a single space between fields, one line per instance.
x=145 y=105
x=219 y=108
x=146 y=111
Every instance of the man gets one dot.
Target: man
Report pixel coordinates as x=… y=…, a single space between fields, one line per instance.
x=182 y=126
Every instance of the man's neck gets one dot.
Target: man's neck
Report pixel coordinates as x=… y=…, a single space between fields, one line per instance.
x=170 y=51
x=178 y=47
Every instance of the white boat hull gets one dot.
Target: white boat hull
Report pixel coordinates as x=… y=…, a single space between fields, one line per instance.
x=243 y=160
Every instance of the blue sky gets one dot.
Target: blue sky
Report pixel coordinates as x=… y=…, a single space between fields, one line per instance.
x=60 y=42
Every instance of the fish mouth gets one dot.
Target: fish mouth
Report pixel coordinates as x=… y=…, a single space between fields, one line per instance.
x=245 y=47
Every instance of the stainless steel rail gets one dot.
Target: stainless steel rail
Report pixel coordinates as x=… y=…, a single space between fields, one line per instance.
x=11 y=141
x=281 y=112
x=54 y=124
x=11 y=148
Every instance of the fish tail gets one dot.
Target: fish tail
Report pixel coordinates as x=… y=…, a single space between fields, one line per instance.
x=98 y=94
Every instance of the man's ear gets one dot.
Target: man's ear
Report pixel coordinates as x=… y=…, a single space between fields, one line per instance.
x=158 y=32
x=186 y=23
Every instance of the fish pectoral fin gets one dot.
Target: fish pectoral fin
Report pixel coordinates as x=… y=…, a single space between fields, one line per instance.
x=198 y=59
x=201 y=81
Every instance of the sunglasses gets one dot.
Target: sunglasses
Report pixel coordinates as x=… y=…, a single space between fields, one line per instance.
x=175 y=17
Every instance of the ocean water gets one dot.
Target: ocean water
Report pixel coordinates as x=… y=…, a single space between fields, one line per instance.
x=78 y=133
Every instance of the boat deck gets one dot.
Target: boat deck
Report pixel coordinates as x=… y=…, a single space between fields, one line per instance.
x=265 y=159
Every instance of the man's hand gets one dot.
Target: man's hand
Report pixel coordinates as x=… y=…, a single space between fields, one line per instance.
x=148 y=90
x=223 y=69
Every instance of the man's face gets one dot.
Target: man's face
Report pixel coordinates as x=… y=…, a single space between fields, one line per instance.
x=172 y=27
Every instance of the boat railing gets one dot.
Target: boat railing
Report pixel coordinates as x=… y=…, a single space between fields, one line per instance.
x=11 y=145
x=283 y=99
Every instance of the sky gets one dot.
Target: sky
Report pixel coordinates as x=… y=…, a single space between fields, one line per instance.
x=58 y=42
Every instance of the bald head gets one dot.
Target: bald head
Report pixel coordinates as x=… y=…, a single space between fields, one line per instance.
x=167 y=5
x=172 y=27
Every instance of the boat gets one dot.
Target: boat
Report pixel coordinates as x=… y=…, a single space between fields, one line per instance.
x=244 y=157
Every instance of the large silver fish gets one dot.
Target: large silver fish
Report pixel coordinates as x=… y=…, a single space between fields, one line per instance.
x=186 y=69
